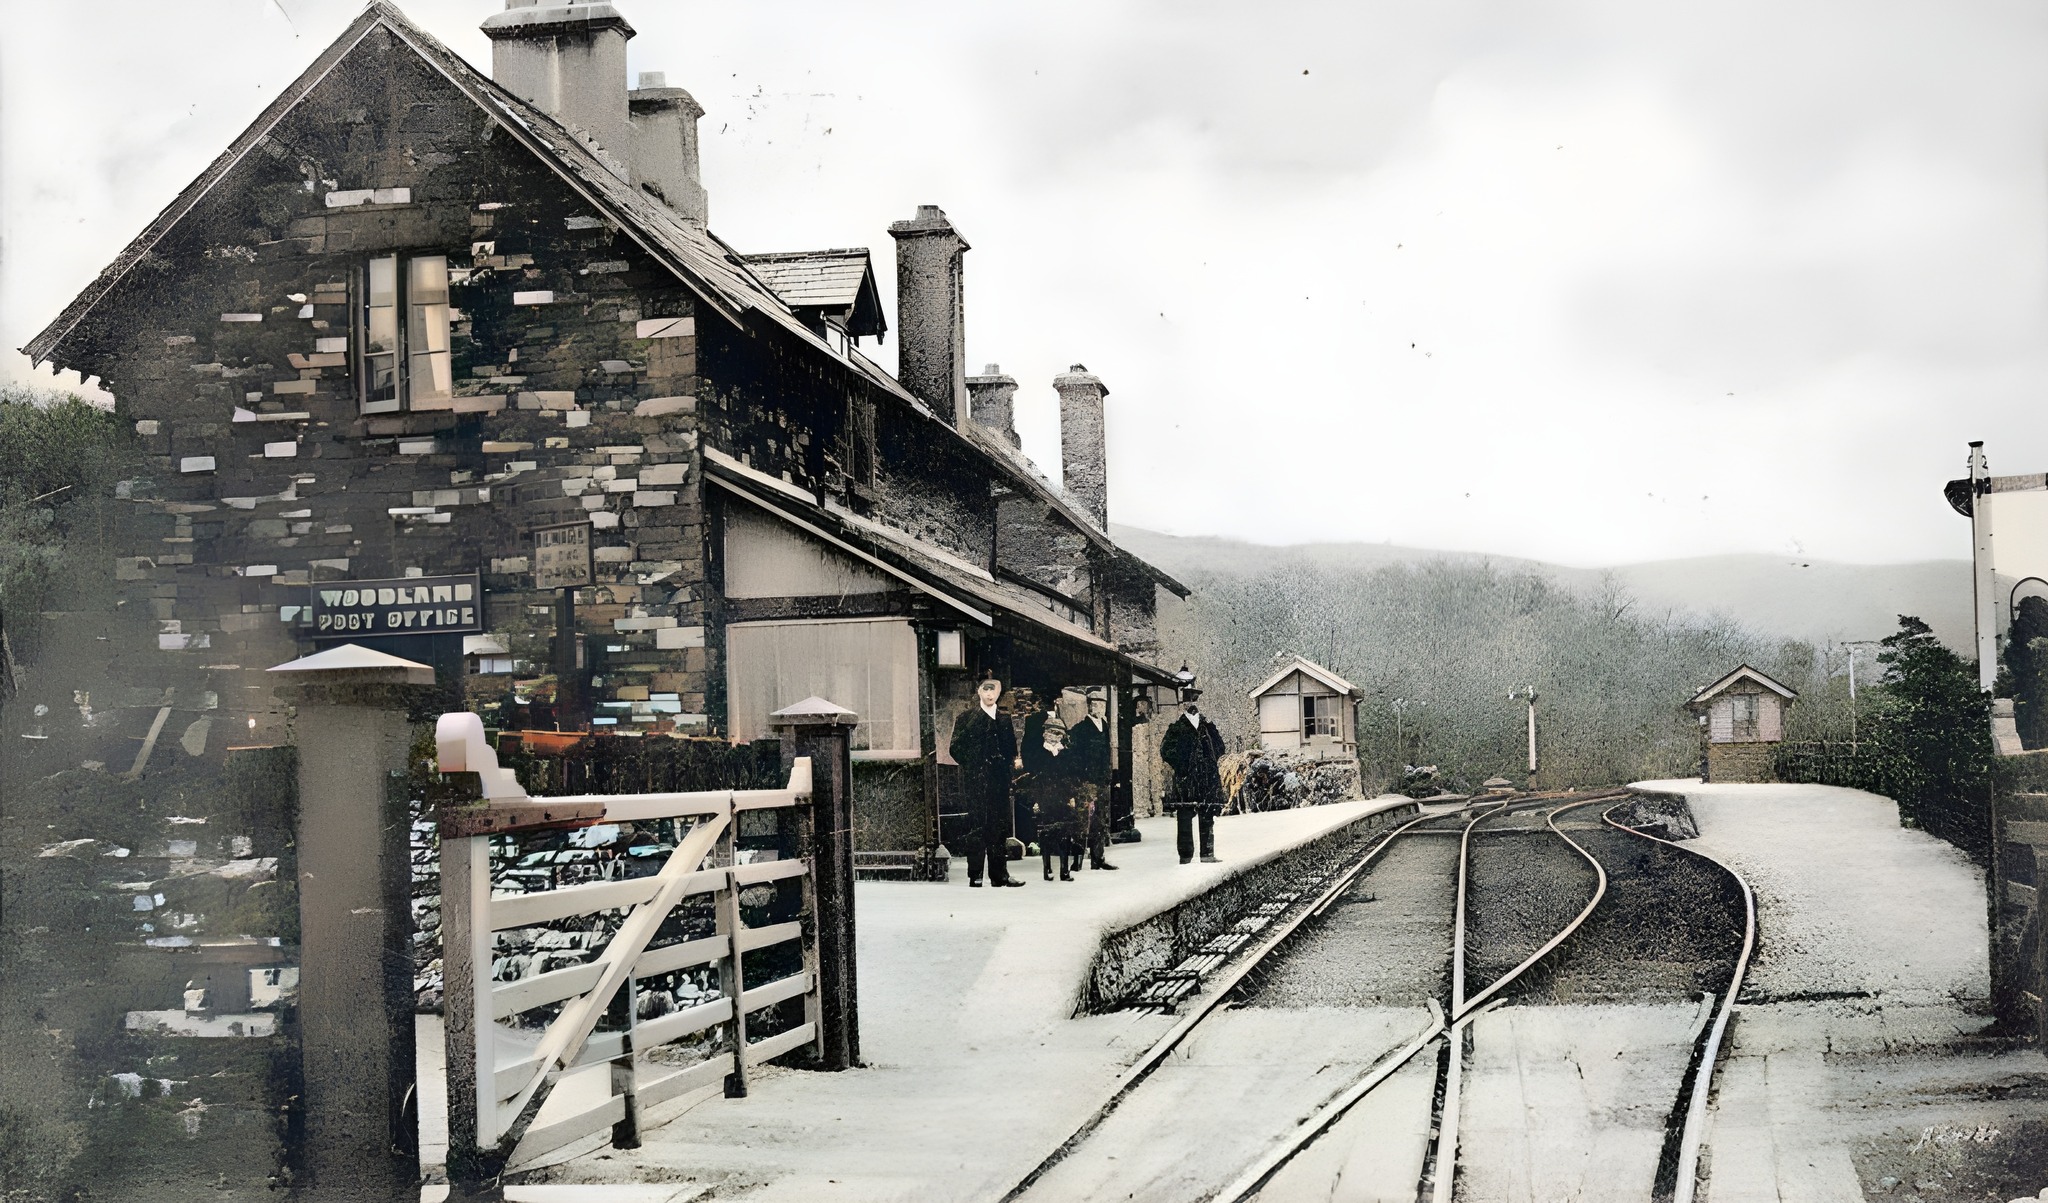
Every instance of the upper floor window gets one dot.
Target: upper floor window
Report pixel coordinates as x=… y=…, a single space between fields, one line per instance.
x=402 y=327
x=860 y=440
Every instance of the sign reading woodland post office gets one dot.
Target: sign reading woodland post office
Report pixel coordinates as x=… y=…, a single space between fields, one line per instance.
x=419 y=605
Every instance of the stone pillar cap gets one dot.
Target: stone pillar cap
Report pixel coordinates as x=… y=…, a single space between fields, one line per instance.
x=992 y=374
x=814 y=711
x=930 y=219
x=1079 y=376
x=532 y=19
x=361 y=664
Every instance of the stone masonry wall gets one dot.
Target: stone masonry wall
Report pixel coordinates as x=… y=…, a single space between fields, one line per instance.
x=230 y=347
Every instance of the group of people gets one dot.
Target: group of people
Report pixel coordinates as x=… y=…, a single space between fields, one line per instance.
x=1050 y=789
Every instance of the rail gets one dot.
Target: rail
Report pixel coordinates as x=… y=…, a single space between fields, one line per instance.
x=1693 y=1137
x=1441 y=1024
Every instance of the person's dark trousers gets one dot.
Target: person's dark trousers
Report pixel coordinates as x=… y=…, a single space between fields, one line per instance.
x=1184 y=824
x=1098 y=842
x=995 y=854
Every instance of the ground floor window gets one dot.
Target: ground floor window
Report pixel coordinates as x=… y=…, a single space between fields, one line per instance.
x=868 y=666
x=1319 y=715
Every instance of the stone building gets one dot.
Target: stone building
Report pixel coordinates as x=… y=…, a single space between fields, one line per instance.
x=428 y=356
x=1744 y=716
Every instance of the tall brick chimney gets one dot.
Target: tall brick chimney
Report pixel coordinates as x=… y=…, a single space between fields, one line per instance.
x=1084 y=470
x=665 y=145
x=992 y=399
x=931 y=356
x=569 y=61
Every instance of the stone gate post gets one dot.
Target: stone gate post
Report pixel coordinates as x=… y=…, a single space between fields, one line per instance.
x=823 y=731
x=355 y=1003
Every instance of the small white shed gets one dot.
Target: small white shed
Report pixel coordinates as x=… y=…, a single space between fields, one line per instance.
x=1306 y=707
x=1745 y=713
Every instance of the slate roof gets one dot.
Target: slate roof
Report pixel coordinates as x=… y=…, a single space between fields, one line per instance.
x=931 y=570
x=838 y=282
x=719 y=275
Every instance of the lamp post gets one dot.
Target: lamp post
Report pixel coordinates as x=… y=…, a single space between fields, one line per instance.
x=1529 y=692
x=1852 y=645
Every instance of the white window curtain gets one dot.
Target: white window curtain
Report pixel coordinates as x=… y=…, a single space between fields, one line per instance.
x=868 y=666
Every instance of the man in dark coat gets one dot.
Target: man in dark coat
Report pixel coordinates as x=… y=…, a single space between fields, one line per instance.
x=1090 y=741
x=1191 y=748
x=985 y=748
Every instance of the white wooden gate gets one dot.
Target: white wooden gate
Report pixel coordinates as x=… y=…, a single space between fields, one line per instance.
x=496 y=1088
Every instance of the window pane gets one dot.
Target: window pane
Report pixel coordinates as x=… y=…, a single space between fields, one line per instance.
x=382 y=332
x=428 y=330
x=432 y=377
x=383 y=281
x=380 y=383
x=426 y=279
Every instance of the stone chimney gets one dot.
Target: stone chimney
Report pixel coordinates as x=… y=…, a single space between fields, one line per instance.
x=569 y=61
x=992 y=399
x=665 y=145
x=931 y=357
x=1084 y=471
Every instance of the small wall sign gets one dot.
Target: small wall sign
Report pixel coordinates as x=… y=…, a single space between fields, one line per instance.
x=419 y=605
x=561 y=556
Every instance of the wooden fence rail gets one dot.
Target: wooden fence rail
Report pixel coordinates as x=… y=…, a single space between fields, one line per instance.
x=499 y=1080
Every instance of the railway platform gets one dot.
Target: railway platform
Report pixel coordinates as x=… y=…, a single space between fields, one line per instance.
x=1860 y=1064
x=976 y=1062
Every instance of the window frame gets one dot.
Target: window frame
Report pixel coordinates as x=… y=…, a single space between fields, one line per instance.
x=1745 y=718
x=1315 y=722
x=413 y=321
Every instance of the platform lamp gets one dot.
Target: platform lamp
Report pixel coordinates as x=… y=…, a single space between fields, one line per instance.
x=1184 y=680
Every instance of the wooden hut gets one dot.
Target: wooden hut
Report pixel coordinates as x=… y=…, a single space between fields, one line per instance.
x=1745 y=720
x=1305 y=707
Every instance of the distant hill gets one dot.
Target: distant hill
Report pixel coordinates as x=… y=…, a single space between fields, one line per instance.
x=1774 y=596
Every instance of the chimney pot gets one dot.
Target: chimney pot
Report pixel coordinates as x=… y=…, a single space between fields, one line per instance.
x=568 y=61
x=992 y=401
x=931 y=319
x=1084 y=471
x=665 y=159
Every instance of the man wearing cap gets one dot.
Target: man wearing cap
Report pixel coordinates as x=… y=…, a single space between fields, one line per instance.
x=1090 y=741
x=985 y=748
x=1195 y=795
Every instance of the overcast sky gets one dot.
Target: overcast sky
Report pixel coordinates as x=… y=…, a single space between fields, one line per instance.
x=1594 y=283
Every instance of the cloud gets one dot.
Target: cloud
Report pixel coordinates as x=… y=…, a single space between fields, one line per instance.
x=1525 y=252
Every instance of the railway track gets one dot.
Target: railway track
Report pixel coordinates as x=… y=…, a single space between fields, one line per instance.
x=1493 y=952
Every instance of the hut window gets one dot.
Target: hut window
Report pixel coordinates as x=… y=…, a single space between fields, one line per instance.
x=1318 y=716
x=1743 y=710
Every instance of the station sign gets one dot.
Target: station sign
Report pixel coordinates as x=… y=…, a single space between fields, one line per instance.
x=416 y=605
x=561 y=556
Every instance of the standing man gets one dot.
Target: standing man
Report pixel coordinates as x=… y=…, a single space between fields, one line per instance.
x=1191 y=749
x=1090 y=741
x=985 y=748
